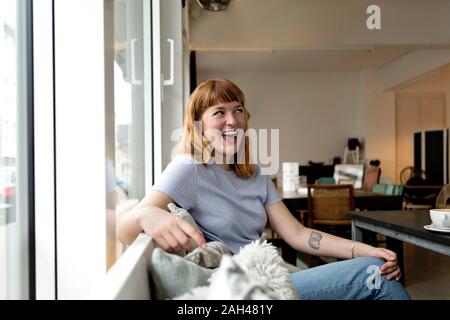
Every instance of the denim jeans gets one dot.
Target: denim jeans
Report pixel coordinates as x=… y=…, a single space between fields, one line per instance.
x=355 y=279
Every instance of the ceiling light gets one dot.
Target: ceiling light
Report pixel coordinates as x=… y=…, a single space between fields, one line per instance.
x=214 y=5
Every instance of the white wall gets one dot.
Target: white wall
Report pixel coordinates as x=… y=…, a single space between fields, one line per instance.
x=379 y=119
x=379 y=124
x=438 y=82
x=315 y=112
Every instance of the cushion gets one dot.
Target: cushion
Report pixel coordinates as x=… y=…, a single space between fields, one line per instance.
x=211 y=257
x=174 y=275
x=186 y=216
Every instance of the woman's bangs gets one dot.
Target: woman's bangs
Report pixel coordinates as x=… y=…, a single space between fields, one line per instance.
x=223 y=93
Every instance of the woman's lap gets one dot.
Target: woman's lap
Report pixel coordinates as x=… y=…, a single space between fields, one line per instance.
x=355 y=279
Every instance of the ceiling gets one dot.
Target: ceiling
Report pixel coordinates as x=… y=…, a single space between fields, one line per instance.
x=313 y=35
x=296 y=60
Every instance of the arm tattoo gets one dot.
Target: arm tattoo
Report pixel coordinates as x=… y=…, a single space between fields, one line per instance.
x=314 y=240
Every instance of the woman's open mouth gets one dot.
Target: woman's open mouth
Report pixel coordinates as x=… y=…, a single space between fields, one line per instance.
x=230 y=136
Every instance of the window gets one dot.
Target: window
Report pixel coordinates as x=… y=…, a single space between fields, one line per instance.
x=16 y=259
x=127 y=120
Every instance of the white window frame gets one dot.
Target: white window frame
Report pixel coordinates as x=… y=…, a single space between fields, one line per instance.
x=44 y=150
x=80 y=146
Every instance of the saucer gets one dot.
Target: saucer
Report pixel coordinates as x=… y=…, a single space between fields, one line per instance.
x=431 y=227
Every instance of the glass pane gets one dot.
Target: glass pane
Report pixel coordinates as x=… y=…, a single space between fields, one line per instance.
x=13 y=104
x=125 y=138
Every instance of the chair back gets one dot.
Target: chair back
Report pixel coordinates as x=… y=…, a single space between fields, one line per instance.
x=410 y=172
x=329 y=204
x=371 y=177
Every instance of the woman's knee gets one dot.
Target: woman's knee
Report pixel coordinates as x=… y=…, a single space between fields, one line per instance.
x=368 y=263
x=390 y=289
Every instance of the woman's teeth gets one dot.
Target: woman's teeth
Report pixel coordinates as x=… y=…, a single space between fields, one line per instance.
x=229 y=133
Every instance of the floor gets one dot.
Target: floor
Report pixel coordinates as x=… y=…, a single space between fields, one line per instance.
x=427 y=273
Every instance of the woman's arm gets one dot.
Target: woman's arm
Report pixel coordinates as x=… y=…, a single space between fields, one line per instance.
x=151 y=216
x=321 y=243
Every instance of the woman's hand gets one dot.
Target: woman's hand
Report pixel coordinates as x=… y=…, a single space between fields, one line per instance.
x=172 y=234
x=390 y=268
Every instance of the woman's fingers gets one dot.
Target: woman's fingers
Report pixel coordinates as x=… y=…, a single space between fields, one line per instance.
x=161 y=242
x=174 y=235
x=392 y=272
x=388 y=265
x=182 y=239
x=396 y=274
x=174 y=246
x=193 y=233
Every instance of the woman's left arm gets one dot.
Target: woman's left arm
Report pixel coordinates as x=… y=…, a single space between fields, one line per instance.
x=321 y=243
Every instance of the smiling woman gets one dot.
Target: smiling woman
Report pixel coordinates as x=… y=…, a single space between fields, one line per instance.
x=233 y=202
x=221 y=124
x=215 y=125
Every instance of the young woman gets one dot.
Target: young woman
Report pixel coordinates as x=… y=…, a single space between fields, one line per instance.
x=231 y=201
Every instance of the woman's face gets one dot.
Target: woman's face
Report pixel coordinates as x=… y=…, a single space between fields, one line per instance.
x=223 y=125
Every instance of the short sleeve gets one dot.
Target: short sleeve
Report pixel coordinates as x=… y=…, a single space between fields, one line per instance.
x=272 y=194
x=179 y=181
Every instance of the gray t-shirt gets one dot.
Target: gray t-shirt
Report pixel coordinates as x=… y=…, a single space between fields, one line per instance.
x=227 y=208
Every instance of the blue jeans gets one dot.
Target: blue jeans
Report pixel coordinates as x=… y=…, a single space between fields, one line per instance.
x=355 y=279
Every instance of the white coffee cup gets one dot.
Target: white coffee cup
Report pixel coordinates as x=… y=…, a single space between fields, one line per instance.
x=440 y=217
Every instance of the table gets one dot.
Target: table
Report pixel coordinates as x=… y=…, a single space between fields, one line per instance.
x=400 y=226
x=406 y=226
x=364 y=200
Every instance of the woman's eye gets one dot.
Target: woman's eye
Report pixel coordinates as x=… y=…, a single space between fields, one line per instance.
x=240 y=110
x=218 y=113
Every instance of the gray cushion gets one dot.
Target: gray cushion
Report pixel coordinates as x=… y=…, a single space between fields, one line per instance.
x=174 y=275
x=211 y=257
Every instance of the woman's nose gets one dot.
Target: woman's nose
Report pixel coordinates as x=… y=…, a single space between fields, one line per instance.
x=231 y=120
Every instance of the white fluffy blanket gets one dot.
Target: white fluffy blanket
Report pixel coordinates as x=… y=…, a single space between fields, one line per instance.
x=255 y=273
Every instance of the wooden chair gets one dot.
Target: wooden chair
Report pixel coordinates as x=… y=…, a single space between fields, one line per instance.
x=418 y=192
x=371 y=177
x=327 y=209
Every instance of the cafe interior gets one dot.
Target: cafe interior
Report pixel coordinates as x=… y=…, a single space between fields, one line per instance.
x=351 y=96
x=354 y=106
